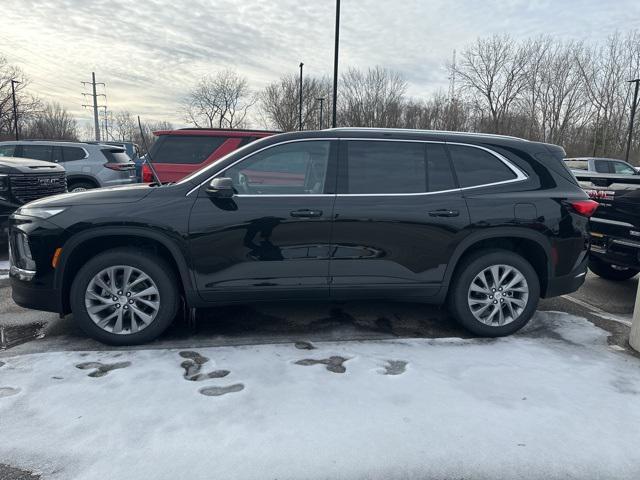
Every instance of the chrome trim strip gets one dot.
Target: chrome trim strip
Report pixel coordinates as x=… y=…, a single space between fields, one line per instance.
x=21 y=273
x=520 y=175
x=611 y=222
x=626 y=243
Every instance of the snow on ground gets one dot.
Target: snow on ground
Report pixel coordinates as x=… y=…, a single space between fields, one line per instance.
x=551 y=402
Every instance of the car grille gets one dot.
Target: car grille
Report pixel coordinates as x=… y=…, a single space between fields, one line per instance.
x=26 y=188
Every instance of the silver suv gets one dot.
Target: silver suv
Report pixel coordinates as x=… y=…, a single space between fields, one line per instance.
x=88 y=165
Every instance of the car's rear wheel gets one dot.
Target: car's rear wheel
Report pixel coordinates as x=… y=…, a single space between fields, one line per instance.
x=80 y=186
x=124 y=297
x=494 y=293
x=610 y=271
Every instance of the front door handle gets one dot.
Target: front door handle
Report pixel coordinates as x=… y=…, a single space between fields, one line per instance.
x=443 y=212
x=305 y=213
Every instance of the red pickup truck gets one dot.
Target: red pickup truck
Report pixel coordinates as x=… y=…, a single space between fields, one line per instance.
x=177 y=153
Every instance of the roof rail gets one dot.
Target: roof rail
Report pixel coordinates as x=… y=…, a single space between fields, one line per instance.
x=416 y=130
x=230 y=130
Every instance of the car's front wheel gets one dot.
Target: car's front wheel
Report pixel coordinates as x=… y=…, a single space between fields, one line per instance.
x=494 y=293
x=124 y=297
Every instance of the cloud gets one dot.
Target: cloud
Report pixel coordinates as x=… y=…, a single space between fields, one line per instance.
x=150 y=52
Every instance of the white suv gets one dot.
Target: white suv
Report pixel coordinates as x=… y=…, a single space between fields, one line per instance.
x=88 y=165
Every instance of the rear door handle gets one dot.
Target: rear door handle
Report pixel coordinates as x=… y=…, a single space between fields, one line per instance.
x=305 y=213
x=443 y=212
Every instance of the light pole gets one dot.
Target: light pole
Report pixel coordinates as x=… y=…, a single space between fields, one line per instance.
x=321 y=100
x=300 y=106
x=15 y=107
x=633 y=114
x=335 y=65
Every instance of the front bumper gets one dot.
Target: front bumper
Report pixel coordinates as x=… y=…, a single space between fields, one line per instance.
x=616 y=250
x=35 y=296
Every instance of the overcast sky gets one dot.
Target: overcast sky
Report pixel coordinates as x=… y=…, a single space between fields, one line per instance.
x=149 y=52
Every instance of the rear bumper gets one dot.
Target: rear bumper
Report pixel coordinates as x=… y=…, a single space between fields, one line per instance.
x=34 y=296
x=557 y=286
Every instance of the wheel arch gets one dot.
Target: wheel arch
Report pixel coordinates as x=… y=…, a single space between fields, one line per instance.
x=85 y=245
x=532 y=245
x=82 y=178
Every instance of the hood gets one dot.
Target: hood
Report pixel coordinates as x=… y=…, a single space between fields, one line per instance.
x=26 y=165
x=98 y=196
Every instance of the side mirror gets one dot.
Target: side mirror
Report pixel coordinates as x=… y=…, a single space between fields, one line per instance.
x=220 y=188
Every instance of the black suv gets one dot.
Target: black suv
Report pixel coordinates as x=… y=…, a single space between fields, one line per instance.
x=486 y=223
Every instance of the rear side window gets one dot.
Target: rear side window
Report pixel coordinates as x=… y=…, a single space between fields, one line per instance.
x=439 y=174
x=475 y=167
x=246 y=140
x=602 y=166
x=191 y=150
x=116 y=156
x=6 y=150
x=36 y=152
x=386 y=167
x=72 y=153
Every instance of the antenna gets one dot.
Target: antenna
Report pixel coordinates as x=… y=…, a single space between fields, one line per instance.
x=147 y=158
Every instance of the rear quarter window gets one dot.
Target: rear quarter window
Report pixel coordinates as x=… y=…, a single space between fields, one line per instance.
x=577 y=164
x=116 y=156
x=185 y=149
x=475 y=167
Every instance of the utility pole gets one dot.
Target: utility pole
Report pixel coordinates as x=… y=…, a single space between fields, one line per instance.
x=15 y=107
x=321 y=100
x=452 y=84
x=335 y=65
x=95 y=96
x=633 y=114
x=106 y=126
x=300 y=110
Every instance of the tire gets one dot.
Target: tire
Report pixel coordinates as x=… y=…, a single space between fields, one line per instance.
x=80 y=186
x=514 y=318
x=609 y=271
x=158 y=310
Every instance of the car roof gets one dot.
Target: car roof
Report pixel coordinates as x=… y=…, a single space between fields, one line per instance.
x=217 y=132
x=62 y=143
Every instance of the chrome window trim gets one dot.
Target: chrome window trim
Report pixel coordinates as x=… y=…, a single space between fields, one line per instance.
x=520 y=175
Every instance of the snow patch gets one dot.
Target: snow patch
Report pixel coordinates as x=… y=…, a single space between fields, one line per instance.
x=550 y=402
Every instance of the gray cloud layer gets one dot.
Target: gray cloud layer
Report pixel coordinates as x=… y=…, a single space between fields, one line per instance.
x=149 y=51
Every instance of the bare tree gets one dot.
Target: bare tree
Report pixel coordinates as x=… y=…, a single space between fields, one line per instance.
x=494 y=71
x=26 y=104
x=52 y=123
x=219 y=101
x=280 y=102
x=374 y=98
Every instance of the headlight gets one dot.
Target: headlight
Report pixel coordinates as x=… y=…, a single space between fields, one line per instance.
x=40 y=212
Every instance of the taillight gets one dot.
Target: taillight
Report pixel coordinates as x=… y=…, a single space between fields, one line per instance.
x=147 y=176
x=120 y=167
x=584 y=207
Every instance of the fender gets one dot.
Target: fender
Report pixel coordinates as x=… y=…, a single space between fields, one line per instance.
x=496 y=233
x=76 y=240
x=87 y=178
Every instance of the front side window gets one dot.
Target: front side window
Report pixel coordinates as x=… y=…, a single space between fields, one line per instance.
x=375 y=167
x=475 y=167
x=623 y=169
x=292 y=168
x=7 y=150
x=185 y=149
x=37 y=152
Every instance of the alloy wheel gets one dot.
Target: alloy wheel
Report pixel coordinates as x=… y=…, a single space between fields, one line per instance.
x=122 y=299
x=498 y=295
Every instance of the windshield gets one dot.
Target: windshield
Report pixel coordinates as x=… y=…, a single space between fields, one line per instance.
x=202 y=173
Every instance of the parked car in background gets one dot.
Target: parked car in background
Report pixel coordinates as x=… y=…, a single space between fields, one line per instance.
x=88 y=165
x=600 y=165
x=23 y=180
x=133 y=150
x=615 y=227
x=177 y=153
x=485 y=223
